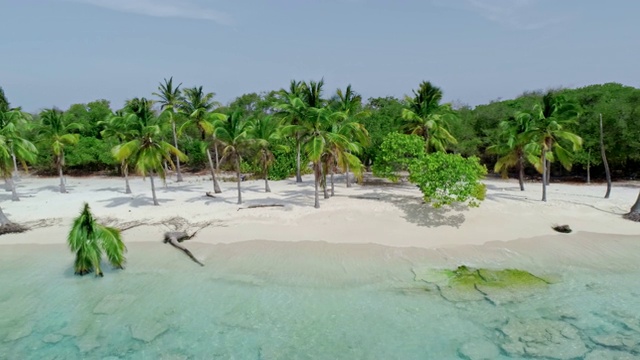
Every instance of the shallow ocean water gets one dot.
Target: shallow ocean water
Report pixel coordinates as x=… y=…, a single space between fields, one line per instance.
x=261 y=300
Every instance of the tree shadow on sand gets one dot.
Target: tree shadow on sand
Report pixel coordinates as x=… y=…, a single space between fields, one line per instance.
x=416 y=211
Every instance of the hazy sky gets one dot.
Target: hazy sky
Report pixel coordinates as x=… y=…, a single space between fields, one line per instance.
x=59 y=52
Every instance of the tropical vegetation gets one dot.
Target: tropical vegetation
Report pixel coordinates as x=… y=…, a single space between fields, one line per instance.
x=298 y=130
x=89 y=240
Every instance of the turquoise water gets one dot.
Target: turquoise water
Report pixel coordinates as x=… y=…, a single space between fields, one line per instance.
x=261 y=300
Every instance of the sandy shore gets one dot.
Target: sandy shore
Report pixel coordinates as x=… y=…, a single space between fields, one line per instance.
x=379 y=214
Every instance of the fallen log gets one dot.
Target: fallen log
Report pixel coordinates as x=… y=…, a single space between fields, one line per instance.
x=175 y=237
x=260 y=206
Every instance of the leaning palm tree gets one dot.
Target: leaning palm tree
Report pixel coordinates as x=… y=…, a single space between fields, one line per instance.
x=56 y=131
x=293 y=110
x=426 y=117
x=170 y=100
x=197 y=108
x=18 y=148
x=88 y=240
x=512 y=148
x=266 y=133
x=549 y=121
x=146 y=151
x=233 y=133
x=15 y=121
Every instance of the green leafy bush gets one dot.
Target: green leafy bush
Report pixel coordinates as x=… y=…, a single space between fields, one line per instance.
x=443 y=178
x=448 y=178
x=396 y=153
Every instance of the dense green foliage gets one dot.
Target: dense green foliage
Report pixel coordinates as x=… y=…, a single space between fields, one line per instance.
x=338 y=133
x=448 y=178
x=89 y=240
x=443 y=178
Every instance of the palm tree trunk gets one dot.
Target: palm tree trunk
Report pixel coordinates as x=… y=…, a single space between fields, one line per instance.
x=348 y=180
x=317 y=174
x=634 y=214
x=15 y=165
x=216 y=186
x=14 y=193
x=166 y=171
x=544 y=175
x=237 y=164
x=266 y=181
x=125 y=170
x=63 y=189
x=636 y=207
x=215 y=149
x=548 y=177
x=324 y=184
x=521 y=172
x=604 y=160
x=332 y=186
x=589 y=167
x=175 y=143
x=4 y=220
x=153 y=190
x=298 y=174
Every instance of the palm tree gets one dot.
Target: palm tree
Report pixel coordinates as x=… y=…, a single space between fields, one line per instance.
x=292 y=109
x=319 y=140
x=266 y=133
x=17 y=148
x=122 y=127
x=146 y=151
x=350 y=104
x=88 y=240
x=233 y=133
x=513 y=147
x=170 y=100
x=197 y=108
x=426 y=117
x=56 y=131
x=549 y=121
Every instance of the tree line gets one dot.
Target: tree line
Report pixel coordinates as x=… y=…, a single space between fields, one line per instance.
x=274 y=135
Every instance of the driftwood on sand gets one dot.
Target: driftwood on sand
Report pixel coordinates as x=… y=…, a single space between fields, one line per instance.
x=260 y=206
x=12 y=228
x=176 y=237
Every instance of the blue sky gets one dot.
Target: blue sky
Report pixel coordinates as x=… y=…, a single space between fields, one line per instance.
x=60 y=52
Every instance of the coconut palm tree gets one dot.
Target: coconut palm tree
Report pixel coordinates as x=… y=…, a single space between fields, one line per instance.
x=17 y=148
x=549 y=121
x=426 y=117
x=56 y=131
x=121 y=127
x=197 y=108
x=319 y=140
x=350 y=104
x=233 y=133
x=146 y=151
x=292 y=109
x=513 y=146
x=170 y=100
x=266 y=133
x=88 y=240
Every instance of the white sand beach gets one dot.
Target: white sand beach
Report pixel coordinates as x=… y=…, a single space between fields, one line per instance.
x=342 y=281
x=377 y=213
